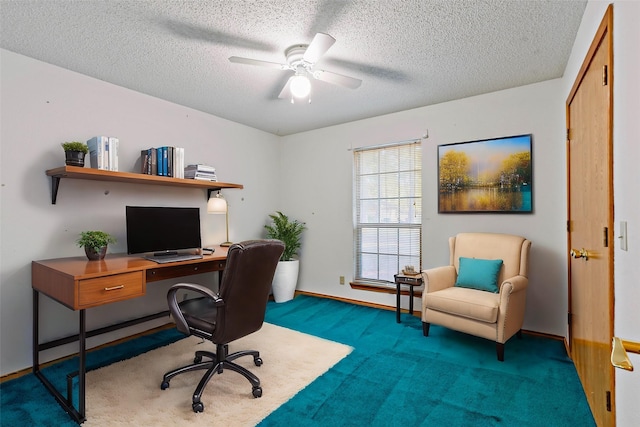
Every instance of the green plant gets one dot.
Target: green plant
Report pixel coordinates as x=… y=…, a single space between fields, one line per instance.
x=288 y=231
x=75 y=146
x=95 y=239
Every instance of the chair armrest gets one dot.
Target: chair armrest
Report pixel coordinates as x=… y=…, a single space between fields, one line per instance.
x=514 y=284
x=195 y=288
x=439 y=278
x=513 y=297
x=174 y=307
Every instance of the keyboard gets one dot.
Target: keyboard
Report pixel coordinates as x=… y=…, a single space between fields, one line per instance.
x=173 y=258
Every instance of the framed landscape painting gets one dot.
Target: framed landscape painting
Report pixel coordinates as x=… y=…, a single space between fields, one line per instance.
x=490 y=175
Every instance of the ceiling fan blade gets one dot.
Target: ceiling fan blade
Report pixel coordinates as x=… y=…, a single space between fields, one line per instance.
x=286 y=90
x=319 y=46
x=337 y=79
x=248 y=61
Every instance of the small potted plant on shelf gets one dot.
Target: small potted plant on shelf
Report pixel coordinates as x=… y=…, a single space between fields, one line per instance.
x=95 y=243
x=286 y=275
x=75 y=152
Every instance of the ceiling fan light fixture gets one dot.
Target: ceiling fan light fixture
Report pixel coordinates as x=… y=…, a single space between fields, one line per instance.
x=300 y=86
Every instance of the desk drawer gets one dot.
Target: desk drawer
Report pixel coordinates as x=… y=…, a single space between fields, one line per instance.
x=103 y=290
x=180 y=270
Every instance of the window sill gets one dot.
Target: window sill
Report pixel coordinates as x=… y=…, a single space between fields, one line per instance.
x=386 y=288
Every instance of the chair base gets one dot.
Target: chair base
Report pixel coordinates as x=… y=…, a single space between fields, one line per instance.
x=220 y=360
x=499 y=346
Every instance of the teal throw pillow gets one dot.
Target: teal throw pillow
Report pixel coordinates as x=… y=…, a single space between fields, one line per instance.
x=481 y=274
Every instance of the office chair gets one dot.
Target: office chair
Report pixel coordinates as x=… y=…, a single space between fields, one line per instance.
x=236 y=311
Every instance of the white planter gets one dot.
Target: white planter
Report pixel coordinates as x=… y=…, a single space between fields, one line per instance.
x=285 y=280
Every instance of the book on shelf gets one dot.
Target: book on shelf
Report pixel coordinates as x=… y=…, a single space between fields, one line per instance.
x=145 y=162
x=200 y=168
x=160 y=160
x=103 y=152
x=178 y=162
x=205 y=178
x=106 y=154
x=192 y=171
x=163 y=161
x=200 y=171
x=154 y=161
x=148 y=161
x=113 y=153
x=191 y=174
x=97 y=152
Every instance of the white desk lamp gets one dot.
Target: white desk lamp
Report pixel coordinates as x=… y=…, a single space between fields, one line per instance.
x=217 y=205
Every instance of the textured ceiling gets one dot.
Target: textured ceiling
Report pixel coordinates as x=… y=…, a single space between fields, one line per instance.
x=408 y=54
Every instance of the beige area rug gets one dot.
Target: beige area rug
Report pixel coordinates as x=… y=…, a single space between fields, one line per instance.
x=128 y=393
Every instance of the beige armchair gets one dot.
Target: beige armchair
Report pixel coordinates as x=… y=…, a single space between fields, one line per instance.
x=460 y=299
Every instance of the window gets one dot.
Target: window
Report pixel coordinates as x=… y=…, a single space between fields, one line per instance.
x=387 y=210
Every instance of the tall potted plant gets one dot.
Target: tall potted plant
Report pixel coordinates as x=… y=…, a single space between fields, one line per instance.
x=289 y=232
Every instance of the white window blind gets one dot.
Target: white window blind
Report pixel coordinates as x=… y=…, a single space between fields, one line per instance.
x=387 y=210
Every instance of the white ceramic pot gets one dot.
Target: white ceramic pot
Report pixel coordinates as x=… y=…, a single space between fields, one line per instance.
x=285 y=280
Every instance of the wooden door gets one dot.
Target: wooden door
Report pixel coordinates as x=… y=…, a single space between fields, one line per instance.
x=590 y=223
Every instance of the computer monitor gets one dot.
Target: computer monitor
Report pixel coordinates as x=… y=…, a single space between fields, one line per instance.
x=162 y=230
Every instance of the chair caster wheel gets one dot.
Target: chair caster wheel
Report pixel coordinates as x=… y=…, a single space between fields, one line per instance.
x=257 y=361
x=257 y=391
x=164 y=385
x=198 y=407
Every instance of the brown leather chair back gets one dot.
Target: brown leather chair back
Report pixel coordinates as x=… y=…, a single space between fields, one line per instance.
x=245 y=287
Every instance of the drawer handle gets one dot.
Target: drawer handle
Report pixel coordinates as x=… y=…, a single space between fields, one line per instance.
x=114 y=288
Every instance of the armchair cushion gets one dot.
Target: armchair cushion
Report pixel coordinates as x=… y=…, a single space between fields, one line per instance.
x=466 y=303
x=481 y=274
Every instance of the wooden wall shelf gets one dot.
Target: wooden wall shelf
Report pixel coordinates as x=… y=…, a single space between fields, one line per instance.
x=75 y=172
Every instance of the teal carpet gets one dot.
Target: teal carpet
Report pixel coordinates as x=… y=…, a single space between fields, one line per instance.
x=397 y=377
x=394 y=376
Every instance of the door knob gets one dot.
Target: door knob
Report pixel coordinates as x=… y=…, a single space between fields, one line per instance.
x=579 y=253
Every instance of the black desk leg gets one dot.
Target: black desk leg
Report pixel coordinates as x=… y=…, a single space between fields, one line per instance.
x=397 y=302
x=66 y=402
x=83 y=365
x=36 y=352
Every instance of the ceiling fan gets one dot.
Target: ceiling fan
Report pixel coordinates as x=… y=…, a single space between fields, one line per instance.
x=301 y=59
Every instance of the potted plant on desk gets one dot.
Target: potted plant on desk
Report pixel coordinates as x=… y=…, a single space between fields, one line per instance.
x=95 y=243
x=289 y=232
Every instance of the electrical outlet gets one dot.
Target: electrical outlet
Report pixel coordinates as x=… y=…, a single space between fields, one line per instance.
x=342 y=280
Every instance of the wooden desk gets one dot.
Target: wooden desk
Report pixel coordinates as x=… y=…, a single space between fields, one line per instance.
x=78 y=284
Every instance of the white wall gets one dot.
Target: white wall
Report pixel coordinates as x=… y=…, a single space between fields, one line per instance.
x=42 y=106
x=321 y=192
x=626 y=153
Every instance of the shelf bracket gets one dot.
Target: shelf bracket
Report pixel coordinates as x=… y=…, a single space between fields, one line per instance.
x=55 y=184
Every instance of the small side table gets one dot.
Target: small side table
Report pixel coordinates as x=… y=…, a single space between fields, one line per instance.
x=412 y=282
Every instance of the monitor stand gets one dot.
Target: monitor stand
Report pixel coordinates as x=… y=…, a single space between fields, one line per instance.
x=165 y=253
